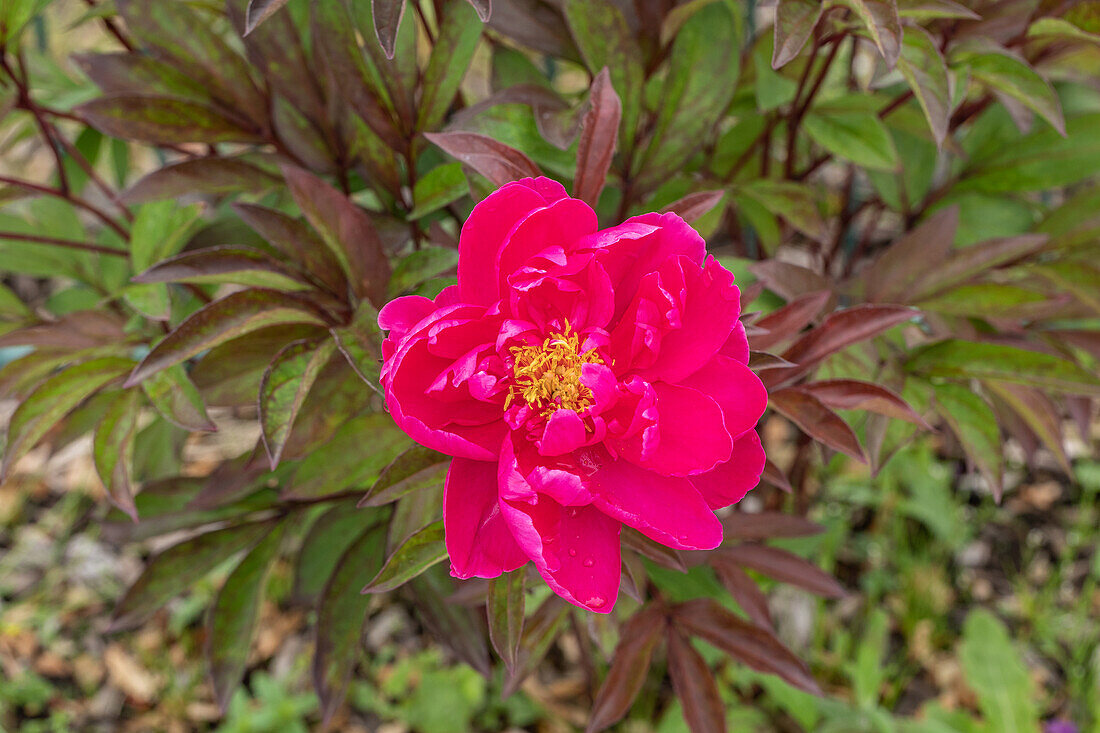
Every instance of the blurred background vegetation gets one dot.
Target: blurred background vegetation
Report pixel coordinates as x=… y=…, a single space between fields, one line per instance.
x=960 y=613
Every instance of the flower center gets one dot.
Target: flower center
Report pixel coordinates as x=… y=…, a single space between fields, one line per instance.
x=548 y=375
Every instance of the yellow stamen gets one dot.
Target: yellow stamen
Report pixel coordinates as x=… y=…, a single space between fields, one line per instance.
x=548 y=375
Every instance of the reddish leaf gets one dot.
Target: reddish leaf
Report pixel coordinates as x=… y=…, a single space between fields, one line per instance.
x=222 y=320
x=346 y=229
x=387 y=19
x=762 y=360
x=416 y=468
x=72 y=331
x=695 y=205
x=768 y=525
x=756 y=647
x=695 y=685
x=744 y=590
x=259 y=11
x=165 y=120
x=629 y=668
x=484 y=9
x=199 y=176
x=816 y=420
x=662 y=555
x=1038 y=413
x=216 y=264
x=795 y=21
x=789 y=280
x=599 y=133
x=840 y=330
x=297 y=241
x=891 y=276
x=775 y=476
x=113 y=449
x=852 y=394
x=457 y=627
x=786 y=567
x=969 y=262
x=789 y=320
x=880 y=17
x=496 y=161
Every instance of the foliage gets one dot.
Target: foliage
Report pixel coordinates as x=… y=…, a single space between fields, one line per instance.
x=906 y=190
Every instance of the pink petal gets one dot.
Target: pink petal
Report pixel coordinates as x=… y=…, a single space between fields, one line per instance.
x=478 y=540
x=736 y=389
x=484 y=233
x=628 y=256
x=691 y=436
x=709 y=311
x=563 y=433
x=666 y=509
x=523 y=474
x=561 y=223
x=401 y=314
x=575 y=549
x=730 y=481
x=736 y=346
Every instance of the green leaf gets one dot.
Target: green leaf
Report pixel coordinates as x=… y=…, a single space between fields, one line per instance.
x=113 y=449
x=341 y=619
x=414 y=469
x=52 y=400
x=160 y=230
x=1042 y=160
x=327 y=540
x=459 y=33
x=702 y=75
x=412 y=557
x=14 y=15
x=539 y=632
x=437 y=188
x=604 y=39
x=284 y=387
x=925 y=70
x=504 y=606
x=261 y=10
x=231 y=623
x=232 y=316
x=975 y=425
x=958 y=359
x=795 y=202
x=359 y=342
x=995 y=671
x=1060 y=28
x=11 y=307
x=856 y=136
x=1004 y=72
x=984 y=300
x=353 y=458
x=420 y=266
x=175 y=569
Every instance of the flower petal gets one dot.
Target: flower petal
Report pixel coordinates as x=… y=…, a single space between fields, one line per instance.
x=575 y=549
x=486 y=230
x=478 y=540
x=561 y=223
x=666 y=509
x=736 y=389
x=401 y=314
x=730 y=481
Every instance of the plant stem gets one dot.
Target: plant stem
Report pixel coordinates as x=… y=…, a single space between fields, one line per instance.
x=70 y=243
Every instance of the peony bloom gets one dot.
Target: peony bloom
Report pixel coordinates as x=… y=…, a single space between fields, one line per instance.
x=582 y=380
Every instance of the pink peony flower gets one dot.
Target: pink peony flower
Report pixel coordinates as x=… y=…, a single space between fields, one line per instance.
x=582 y=380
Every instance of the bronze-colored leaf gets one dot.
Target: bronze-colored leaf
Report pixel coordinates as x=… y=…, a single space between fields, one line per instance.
x=744 y=590
x=789 y=320
x=816 y=420
x=768 y=525
x=599 y=134
x=853 y=394
x=629 y=668
x=494 y=160
x=786 y=567
x=695 y=205
x=695 y=685
x=755 y=646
